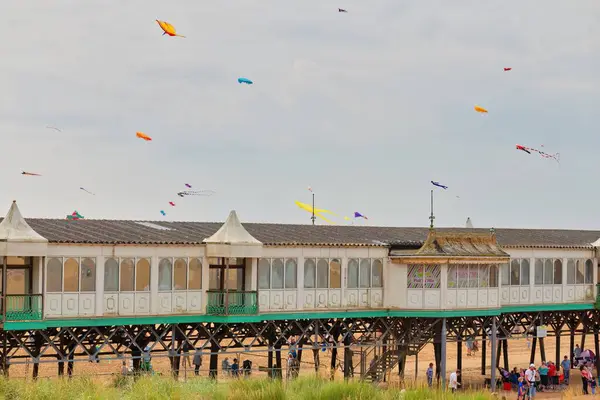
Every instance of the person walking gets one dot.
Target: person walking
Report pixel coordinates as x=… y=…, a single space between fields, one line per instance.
x=585 y=378
x=197 y=362
x=566 y=366
x=453 y=381
x=429 y=374
x=530 y=378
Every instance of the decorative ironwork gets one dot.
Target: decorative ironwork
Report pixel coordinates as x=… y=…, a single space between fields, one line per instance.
x=232 y=302
x=23 y=307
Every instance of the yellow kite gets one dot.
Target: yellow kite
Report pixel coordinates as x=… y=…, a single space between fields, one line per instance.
x=168 y=29
x=480 y=109
x=318 y=211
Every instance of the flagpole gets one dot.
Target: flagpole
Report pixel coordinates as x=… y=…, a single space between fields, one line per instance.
x=313 y=209
x=431 y=217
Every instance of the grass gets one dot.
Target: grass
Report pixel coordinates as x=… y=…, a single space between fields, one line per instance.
x=155 y=388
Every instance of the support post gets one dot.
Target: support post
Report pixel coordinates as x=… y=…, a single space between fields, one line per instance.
x=493 y=364
x=533 y=345
x=597 y=348
x=557 y=353
x=443 y=354
x=572 y=347
x=459 y=357
x=483 y=352
x=214 y=360
x=505 y=354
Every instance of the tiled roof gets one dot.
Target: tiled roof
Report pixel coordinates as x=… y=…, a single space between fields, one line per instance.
x=460 y=244
x=148 y=232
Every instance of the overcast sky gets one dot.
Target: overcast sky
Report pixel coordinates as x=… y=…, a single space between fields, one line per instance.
x=366 y=107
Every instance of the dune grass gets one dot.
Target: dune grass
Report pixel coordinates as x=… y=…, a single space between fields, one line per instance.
x=155 y=388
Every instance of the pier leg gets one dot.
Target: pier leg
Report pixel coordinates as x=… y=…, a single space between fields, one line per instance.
x=278 y=373
x=493 y=351
x=459 y=348
x=483 y=353
x=443 y=353
x=557 y=352
x=533 y=345
x=572 y=347
x=214 y=360
x=505 y=354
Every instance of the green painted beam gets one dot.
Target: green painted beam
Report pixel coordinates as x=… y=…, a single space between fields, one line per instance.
x=191 y=318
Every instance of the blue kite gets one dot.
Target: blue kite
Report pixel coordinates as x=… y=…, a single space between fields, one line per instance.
x=439 y=185
x=245 y=80
x=359 y=215
x=163 y=213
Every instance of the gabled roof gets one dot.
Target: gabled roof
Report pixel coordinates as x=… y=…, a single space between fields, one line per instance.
x=14 y=228
x=460 y=244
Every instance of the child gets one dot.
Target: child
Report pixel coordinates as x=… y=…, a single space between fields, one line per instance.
x=593 y=385
x=521 y=390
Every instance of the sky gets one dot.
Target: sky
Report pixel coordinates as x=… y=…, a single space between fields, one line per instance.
x=366 y=107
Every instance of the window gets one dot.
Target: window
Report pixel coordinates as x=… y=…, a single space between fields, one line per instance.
x=335 y=274
x=557 y=272
x=54 y=275
x=88 y=275
x=484 y=277
x=571 y=272
x=310 y=273
x=469 y=276
x=494 y=275
x=525 y=272
x=142 y=275
x=322 y=274
x=424 y=276
x=195 y=274
x=589 y=271
x=539 y=272
x=352 y=280
x=180 y=274
x=177 y=274
x=549 y=272
x=165 y=273
x=462 y=276
x=504 y=275
x=377 y=274
x=111 y=275
x=580 y=273
x=277 y=273
x=127 y=274
x=364 y=273
x=71 y=275
x=515 y=272
x=452 y=276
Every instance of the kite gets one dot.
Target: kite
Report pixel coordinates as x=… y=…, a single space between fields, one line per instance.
x=359 y=215
x=172 y=204
x=168 y=29
x=87 y=191
x=480 y=109
x=195 y=193
x=310 y=189
x=53 y=127
x=30 y=173
x=75 y=216
x=439 y=185
x=142 y=135
x=245 y=80
x=316 y=211
x=188 y=185
x=507 y=69
x=528 y=150
x=342 y=10
x=163 y=213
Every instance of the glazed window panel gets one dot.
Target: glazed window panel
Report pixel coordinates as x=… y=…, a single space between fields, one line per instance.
x=142 y=275
x=335 y=274
x=310 y=273
x=473 y=276
x=195 y=274
x=88 y=275
x=365 y=273
x=264 y=273
x=580 y=273
x=291 y=274
x=589 y=271
x=71 y=273
x=548 y=268
x=431 y=276
x=494 y=275
x=277 y=274
x=571 y=272
x=484 y=276
x=515 y=272
x=111 y=275
x=539 y=272
x=322 y=274
x=462 y=276
x=127 y=274
x=165 y=274
x=452 y=276
x=54 y=275
x=180 y=274
x=377 y=272
x=505 y=274
x=525 y=272
x=352 y=282
x=557 y=272
x=415 y=277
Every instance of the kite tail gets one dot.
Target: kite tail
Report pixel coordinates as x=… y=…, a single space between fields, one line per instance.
x=557 y=157
x=180 y=36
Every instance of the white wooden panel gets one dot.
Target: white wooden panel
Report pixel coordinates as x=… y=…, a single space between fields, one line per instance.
x=351 y=298
x=493 y=298
x=321 y=298
x=87 y=303
x=377 y=298
x=415 y=298
x=276 y=300
x=589 y=293
x=482 y=298
x=515 y=294
x=335 y=298
x=432 y=298
x=264 y=300
x=505 y=295
x=194 y=301
x=538 y=296
x=451 y=299
x=524 y=291
x=179 y=304
x=461 y=298
x=290 y=300
x=309 y=298
x=569 y=294
x=164 y=302
x=53 y=304
x=364 y=298
x=472 y=300
x=70 y=304
x=126 y=305
x=579 y=293
x=111 y=304
x=557 y=294
x=547 y=292
x=142 y=303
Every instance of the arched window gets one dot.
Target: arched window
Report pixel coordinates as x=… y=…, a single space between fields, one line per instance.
x=352 y=280
x=277 y=274
x=195 y=274
x=557 y=272
x=365 y=273
x=539 y=272
x=524 y=272
x=570 y=272
x=515 y=272
x=127 y=274
x=310 y=273
x=88 y=275
x=71 y=274
x=180 y=274
x=493 y=275
x=142 y=275
x=580 y=273
x=452 y=276
x=377 y=273
x=335 y=274
x=548 y=268
x=484 y=276
x=322 y=274
x=264 y=273
x=291 y=273
x=165 y=274
x=54 y=275
x=589 y=271
x=111 y=275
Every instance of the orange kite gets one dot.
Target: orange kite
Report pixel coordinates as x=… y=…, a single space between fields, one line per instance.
x=168 y=29
x=143 y=136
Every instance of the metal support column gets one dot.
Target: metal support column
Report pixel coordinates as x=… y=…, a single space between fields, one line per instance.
x=443 y=355
x=493 y=364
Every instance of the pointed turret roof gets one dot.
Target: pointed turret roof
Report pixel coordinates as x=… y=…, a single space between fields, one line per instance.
x=232 y=240
x=469 y=224
x=17 y=238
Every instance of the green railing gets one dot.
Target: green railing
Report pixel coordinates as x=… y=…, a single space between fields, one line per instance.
x=232 y=302
x=23 y=307
x=597 y=304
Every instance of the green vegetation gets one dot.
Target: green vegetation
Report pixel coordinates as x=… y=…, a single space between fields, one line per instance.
x=155 y=388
